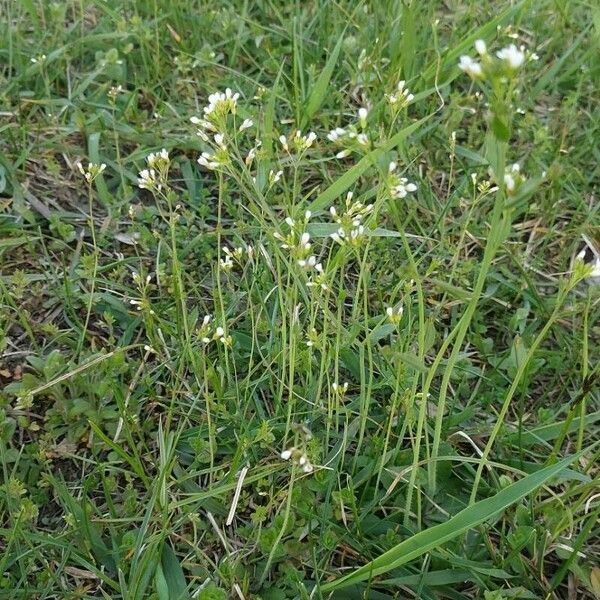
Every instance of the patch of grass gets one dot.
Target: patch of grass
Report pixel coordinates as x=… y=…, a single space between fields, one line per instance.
x=210 y=392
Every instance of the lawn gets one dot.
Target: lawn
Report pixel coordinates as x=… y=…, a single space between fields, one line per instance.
x=299 y=299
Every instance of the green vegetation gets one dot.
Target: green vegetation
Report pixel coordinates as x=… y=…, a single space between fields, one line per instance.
x=357 y=361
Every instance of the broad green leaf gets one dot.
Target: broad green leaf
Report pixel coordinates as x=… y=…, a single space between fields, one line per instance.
x=466 y=519
x=160 y=584
x=173 y=574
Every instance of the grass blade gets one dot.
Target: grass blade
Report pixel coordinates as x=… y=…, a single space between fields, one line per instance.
x=340 y=185
x=466 y=519
x=319 y=91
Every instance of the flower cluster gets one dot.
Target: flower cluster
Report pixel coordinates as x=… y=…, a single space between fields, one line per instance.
x=401 y=98
x=352 y=137
x=339 y=390
x=298 y=141
x=212 y=127
x=220 y=104
x=513 y=179
x=399 y=187
x=297 y=241
x=298 y=457
x=207 y=333
x=394 y=314
x=274 y=177
x=510 y=58
x=235 y=256
x=91 y=171
x=155 y=176
x=351 y=229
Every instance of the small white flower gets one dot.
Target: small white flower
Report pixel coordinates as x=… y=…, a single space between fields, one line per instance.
x=480 y=47
x=512 y=55
x=509 y=182
x=335 y=134
x=342 y=154
x=250 y=156
x=286 y=454
x=394 y=314
x=401 y=187
x=208 y=160
x=362 y=139
x=284 y=143
x=362 y=116
x=91 y=171
x=147 y=179
x=470 y=66
x=402 y=98
x=246 y=124
x=274 y=177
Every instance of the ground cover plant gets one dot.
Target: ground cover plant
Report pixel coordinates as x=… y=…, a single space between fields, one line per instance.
x=299 y=299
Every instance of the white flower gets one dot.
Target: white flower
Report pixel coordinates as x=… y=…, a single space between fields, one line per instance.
x=512 y=177
x=286 y=454
x=220 y=104
x=246 y=124
x=394 y=314
x=251 y=156
x=226 y=265
x=274 y=177
x=509 y=182
x=284 y=142
x=339 y=389
x=342 y=154
x=91 y=171
x=470 y=66
x=219 y=139
x=209 y=161
x=147 y=179
x=362 y=139
x=402 y=98
x=158 y=160
x=401 y=187
x=335 y=134
x=512 y=55
x=362 y=116
x=480 y=47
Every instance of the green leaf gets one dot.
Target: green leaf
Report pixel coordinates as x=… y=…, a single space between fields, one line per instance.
x=340 y=185
x=547 y=433
x=500 y=129
x=160 y=584
x=319 y=91
x=173 y=574
x=466 y=519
